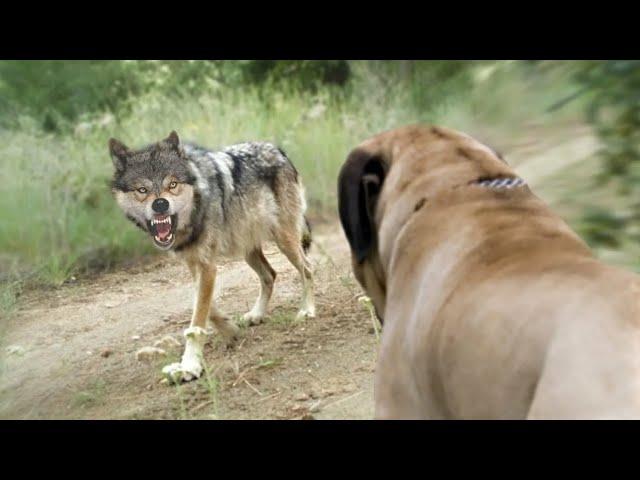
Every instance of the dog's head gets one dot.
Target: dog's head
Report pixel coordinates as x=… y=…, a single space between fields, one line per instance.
x=410 y=163
x=154 y=187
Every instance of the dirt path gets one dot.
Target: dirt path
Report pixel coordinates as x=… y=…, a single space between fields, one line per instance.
x=79 y=346
x=79 y=342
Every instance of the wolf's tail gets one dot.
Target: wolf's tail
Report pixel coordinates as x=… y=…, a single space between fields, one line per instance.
x=306 y=236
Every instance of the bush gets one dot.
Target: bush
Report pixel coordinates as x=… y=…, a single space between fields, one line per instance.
x=614 y=111
x=58 y=215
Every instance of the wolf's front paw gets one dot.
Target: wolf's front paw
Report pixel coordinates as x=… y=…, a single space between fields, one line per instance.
x=190 y=367
x=182 y=372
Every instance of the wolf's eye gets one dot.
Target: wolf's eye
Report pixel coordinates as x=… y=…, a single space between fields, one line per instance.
x=142 y=190
x=173 y=185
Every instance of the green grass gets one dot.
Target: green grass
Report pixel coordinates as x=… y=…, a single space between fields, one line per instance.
x=368 y=306
x=9 y=292
x=91 y=396
x=271 y=363
x=283 y=318
x=58 y=215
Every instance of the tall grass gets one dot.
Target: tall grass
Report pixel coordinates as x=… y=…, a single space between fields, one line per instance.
x=58 y=216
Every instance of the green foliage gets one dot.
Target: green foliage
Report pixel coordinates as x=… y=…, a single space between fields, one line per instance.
x=55 y=119
x=614 y=111
x=602 y=227
x=58 y=93
x=305 y=74
x=55 y=92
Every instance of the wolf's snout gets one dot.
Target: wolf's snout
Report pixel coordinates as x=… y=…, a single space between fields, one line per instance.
x=160 y=205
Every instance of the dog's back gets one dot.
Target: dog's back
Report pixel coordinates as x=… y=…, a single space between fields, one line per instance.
x=514 y=323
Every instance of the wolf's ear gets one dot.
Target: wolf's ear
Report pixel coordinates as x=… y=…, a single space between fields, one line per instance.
x=359 y=186
x=173 y=139
x=119 y=153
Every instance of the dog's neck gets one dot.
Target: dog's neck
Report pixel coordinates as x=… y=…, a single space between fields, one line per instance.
x=401 y=215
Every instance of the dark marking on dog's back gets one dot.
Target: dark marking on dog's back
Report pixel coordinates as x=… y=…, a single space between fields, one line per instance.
x=419 y=204
x=463 y=152
x=439 y=133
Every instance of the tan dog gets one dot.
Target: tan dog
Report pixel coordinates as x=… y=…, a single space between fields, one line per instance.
x=492 y=307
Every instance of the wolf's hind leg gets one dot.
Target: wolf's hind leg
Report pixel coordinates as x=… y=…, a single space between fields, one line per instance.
x=291 y=246
x=229 y=330
x=267 y=275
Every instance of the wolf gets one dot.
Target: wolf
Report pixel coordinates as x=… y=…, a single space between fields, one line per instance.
x=202 y=205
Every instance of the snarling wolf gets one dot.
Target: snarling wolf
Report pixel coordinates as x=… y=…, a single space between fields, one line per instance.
x=202 y=205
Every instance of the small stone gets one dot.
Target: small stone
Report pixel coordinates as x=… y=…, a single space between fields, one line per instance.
x=315 y=407
x=307 y=416
x=149 y=387
x=15 y=350
x=146 y=354
x=371 y=331
x=106 y=352
x=135 y=337
x=301 y=397
x=167 y=342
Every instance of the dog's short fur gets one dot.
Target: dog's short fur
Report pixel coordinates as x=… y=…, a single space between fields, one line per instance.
x=214 y=204
x=492 y=306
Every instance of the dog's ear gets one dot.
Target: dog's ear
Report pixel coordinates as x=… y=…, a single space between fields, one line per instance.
x=119 y=153
x=359 y=186
x=173 y=139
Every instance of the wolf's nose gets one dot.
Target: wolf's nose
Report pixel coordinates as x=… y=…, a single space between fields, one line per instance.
x=160 y=205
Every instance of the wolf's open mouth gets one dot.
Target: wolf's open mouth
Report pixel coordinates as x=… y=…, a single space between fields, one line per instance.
x=162 y=229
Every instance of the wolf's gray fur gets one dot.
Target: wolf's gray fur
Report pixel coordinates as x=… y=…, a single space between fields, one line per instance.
x=226 y=202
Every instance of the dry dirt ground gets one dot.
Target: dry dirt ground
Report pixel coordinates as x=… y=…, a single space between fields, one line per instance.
x=78 y=343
